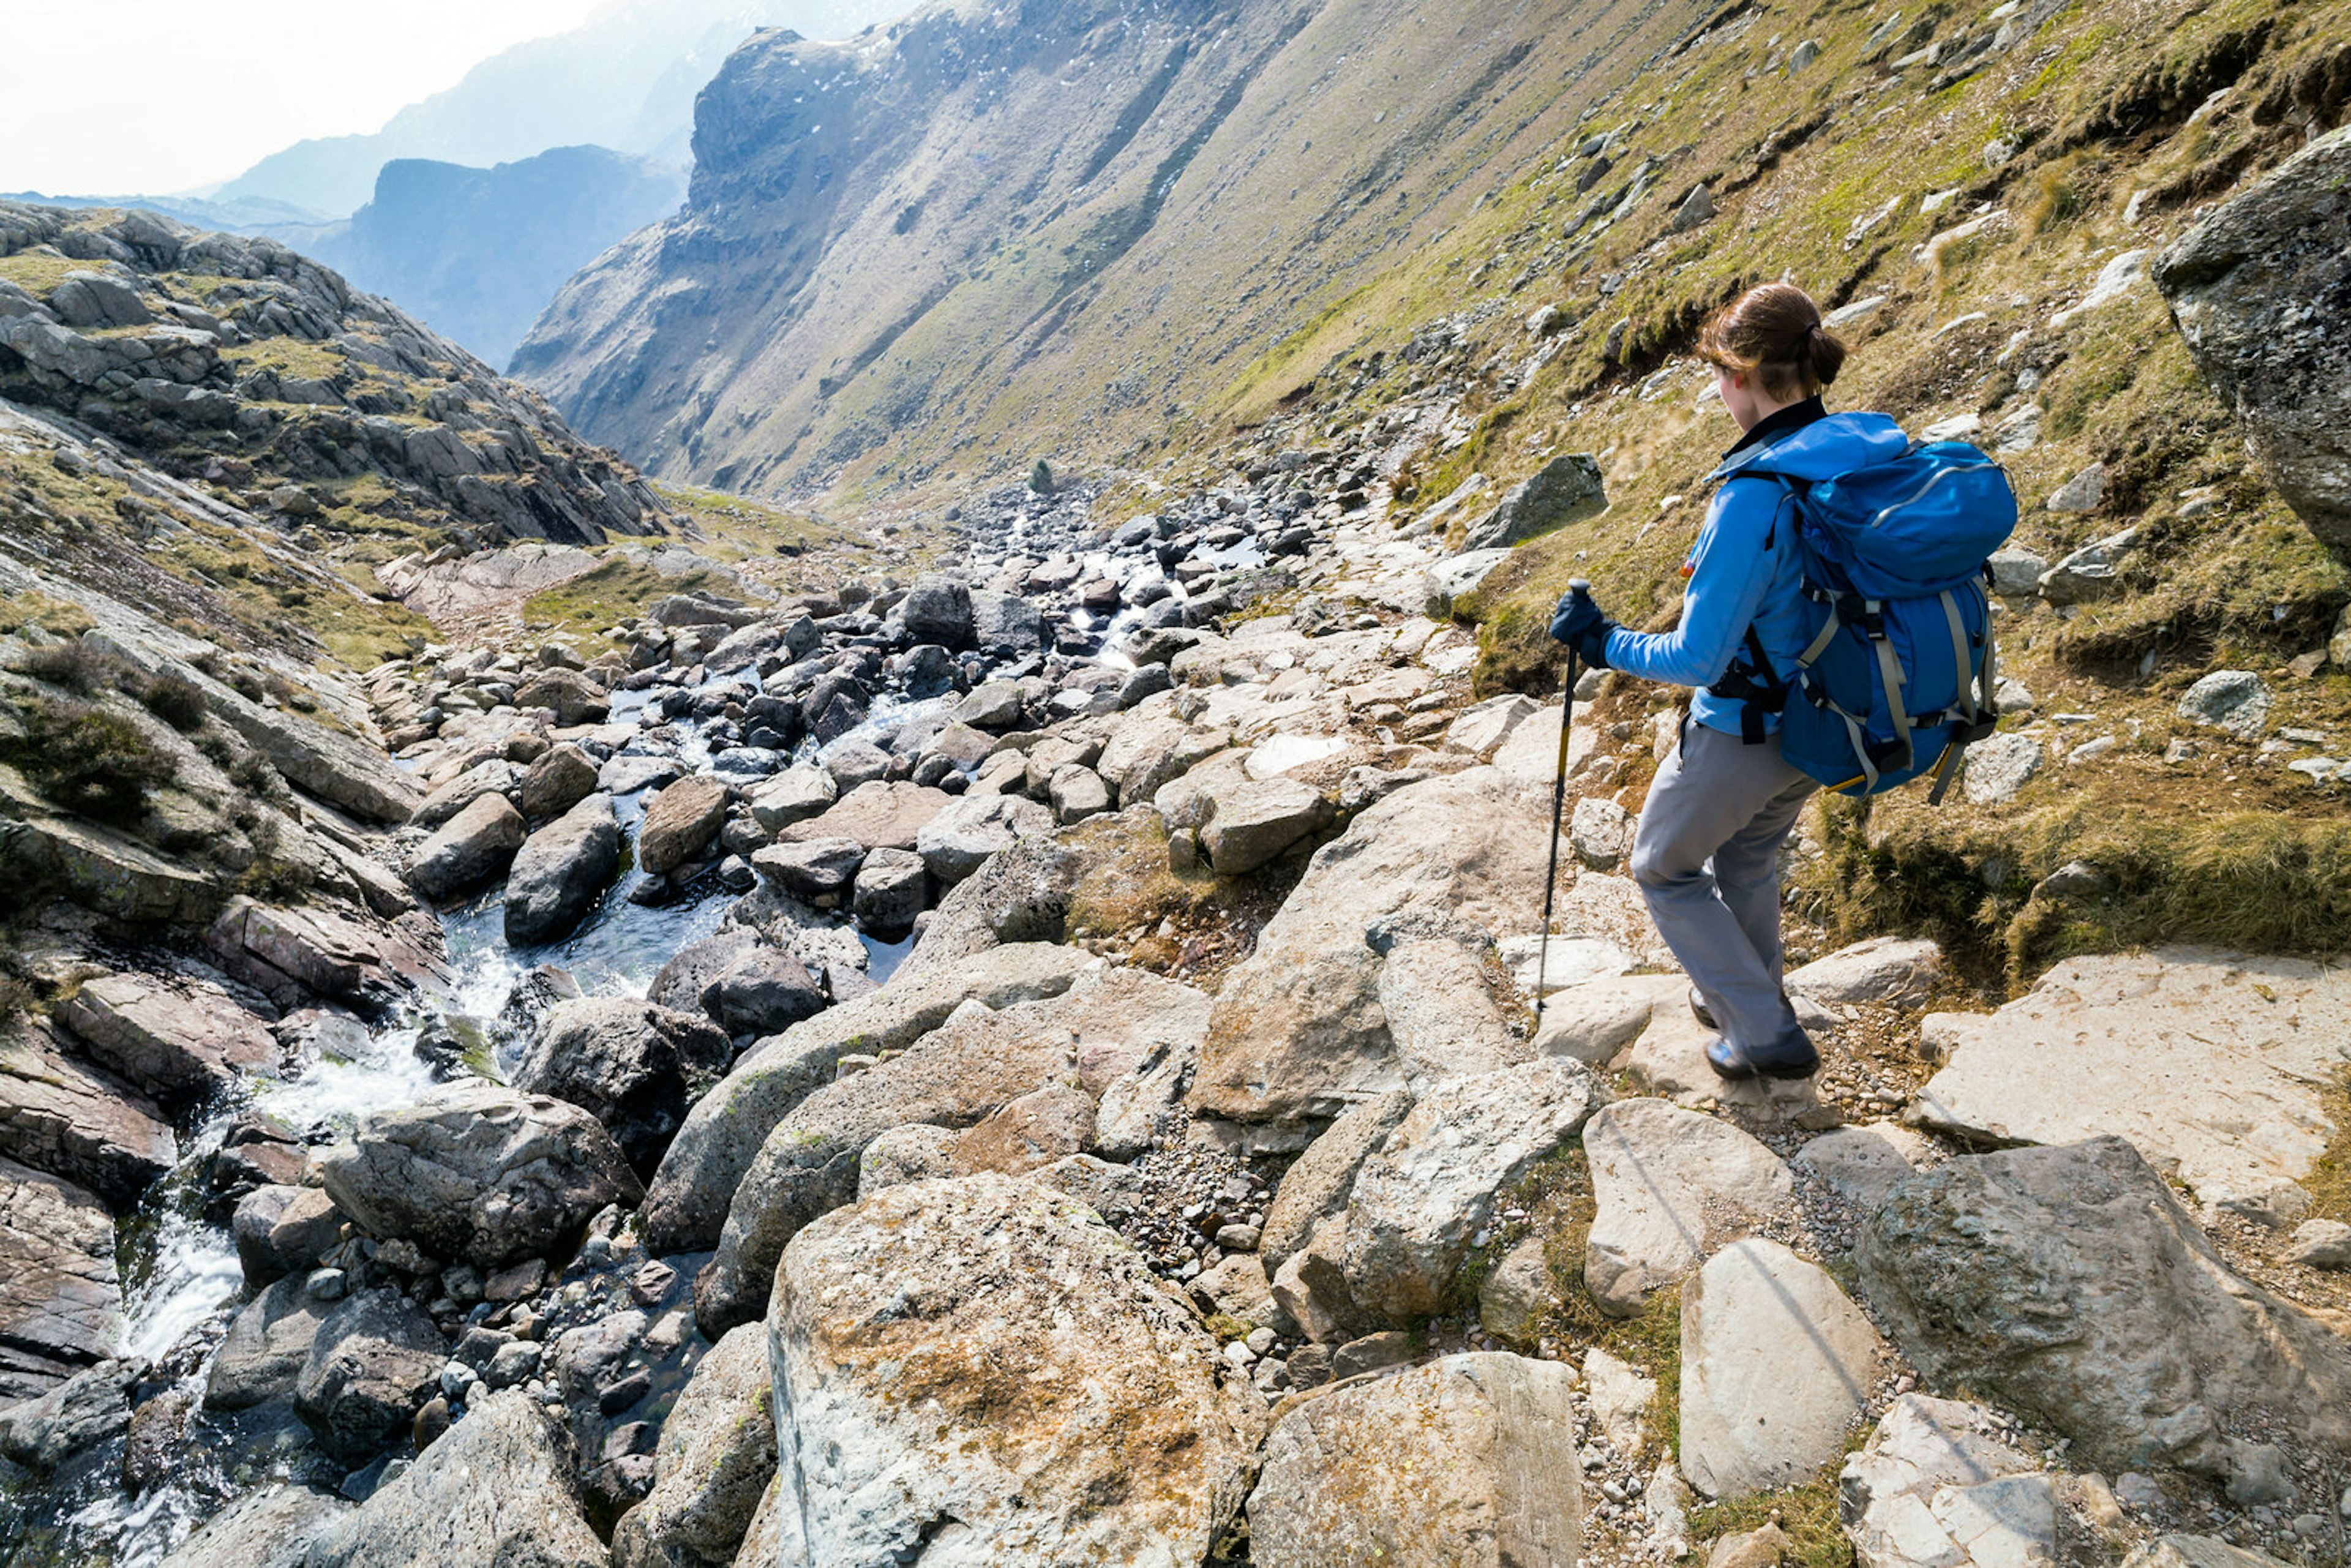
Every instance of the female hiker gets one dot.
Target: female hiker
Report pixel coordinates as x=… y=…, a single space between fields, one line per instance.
x=1706 y=855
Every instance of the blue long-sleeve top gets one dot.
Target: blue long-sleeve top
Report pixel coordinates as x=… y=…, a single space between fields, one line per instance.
x=1746 y=569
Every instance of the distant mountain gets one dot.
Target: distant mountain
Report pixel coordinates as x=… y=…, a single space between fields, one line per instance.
x=479 y=252
x=243 y=214
x=623 y=79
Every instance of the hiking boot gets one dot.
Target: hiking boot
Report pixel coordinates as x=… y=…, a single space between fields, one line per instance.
x=1790 y=1056
x=1705 y=1015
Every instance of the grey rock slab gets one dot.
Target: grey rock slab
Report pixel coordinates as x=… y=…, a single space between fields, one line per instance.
x=1318 y=1182
x=763 y=991
x=818 y=870
x=558 y=779
x=968 y=829
x=916 y=1152
x=680 y=823
x=1256 y=822
x=1996 y=768
x=477 y=1173
x=60 y=1300
x=890 y=890
x=1776 y=1366
x=715 y=1459
x=282 y=1231
x=171 y=1036
x=1567 y=489
x=1668 y=1059
x=1861 y=1164
x=560 y=871
x=1443 y=1014
x=1670 y=1189
x=1516 y=1293
x=85 y=1410
x=2255 y=288
x=62 y=1115
x=2082 y=492
x=1433 y=1183
x=1593 y=1022
x=957 y=1076
x=1886 y=971
x=1621 y=1398
x=687 y=1204
x=1310 y=1285
x=2069 y=1285
x=1931 y=1486
x=2213 y=1064
x=792 y=796
x=2320 y=1244
x=2091 y=572
x=1491 y=1476
x=1481 y=730
x=1298 y=1033
x=1456 y=577
x=497 y=1491
x=468 y=850
x=495 y=775
x=880 y=815
x=1040 y=1127
x=2198 y=1551
x=925 y=1346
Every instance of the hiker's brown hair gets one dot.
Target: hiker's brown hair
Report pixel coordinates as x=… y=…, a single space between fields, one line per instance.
x=1775 y=332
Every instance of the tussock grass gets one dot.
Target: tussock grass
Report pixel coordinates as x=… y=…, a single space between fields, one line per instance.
x=1806 y=1514
x=589 y=605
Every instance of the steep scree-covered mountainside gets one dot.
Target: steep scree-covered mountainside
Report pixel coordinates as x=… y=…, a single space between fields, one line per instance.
x=988 y=231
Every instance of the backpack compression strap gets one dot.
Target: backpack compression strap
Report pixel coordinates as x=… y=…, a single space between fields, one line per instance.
x=1980 y=695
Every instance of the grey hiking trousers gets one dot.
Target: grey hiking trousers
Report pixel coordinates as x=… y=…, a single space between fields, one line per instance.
x=1706 y=857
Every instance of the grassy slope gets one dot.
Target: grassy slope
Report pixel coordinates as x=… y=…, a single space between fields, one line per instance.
x=2108 y=101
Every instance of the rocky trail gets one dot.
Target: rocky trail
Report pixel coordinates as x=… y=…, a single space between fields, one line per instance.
x=1036 y=1062
x=548 y=1020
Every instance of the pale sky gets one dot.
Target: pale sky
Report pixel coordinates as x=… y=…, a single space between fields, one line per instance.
x=154 y=97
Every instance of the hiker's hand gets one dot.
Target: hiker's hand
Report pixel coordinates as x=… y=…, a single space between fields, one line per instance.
x=1579 y=623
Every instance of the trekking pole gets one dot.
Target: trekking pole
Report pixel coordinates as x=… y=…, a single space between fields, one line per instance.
x=1580 y=587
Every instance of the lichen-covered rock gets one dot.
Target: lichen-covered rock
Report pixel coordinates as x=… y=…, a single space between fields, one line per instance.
x=561 y=871
x=1469 y=1460
x=2257 y=290
x=1432 y=1184
x=715 y=1459
x=982 y=1368
x=61 y=1115
x=174 y=1037
x=2069 y=1285
x=478 y=1174
x=376 y=1359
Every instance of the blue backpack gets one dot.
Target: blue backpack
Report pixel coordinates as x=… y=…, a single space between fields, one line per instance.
x=1898 y=676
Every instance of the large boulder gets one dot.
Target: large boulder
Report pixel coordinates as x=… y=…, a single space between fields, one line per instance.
x=1300 y=1033
x=1670 y=1187
x=2258 y=290
x=374 y=1361
x=60 y=1300
x=266 y=1345
x=1564 y=491
x=982 y=1371
x=2214 y=1065
x=561 y=871
x=558 y=779
x=2068 y=1284
x=1469 y=1460
x=680 y=823
x=1256 y=822
x=881 y=815
x=763 y=990
x=272 y=1528
x=468 y=850
x=281 y=1230
x=571 y=697
x=61 y=1115
x=1776 y=1366
x=954 y=1077
x=938 y=609
x=87 y=1409
x=478 y=1174
x=716 y=1458
x=1432 y=1184
x=496 y=1492
x=686 y=1206
x=633 y=1066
